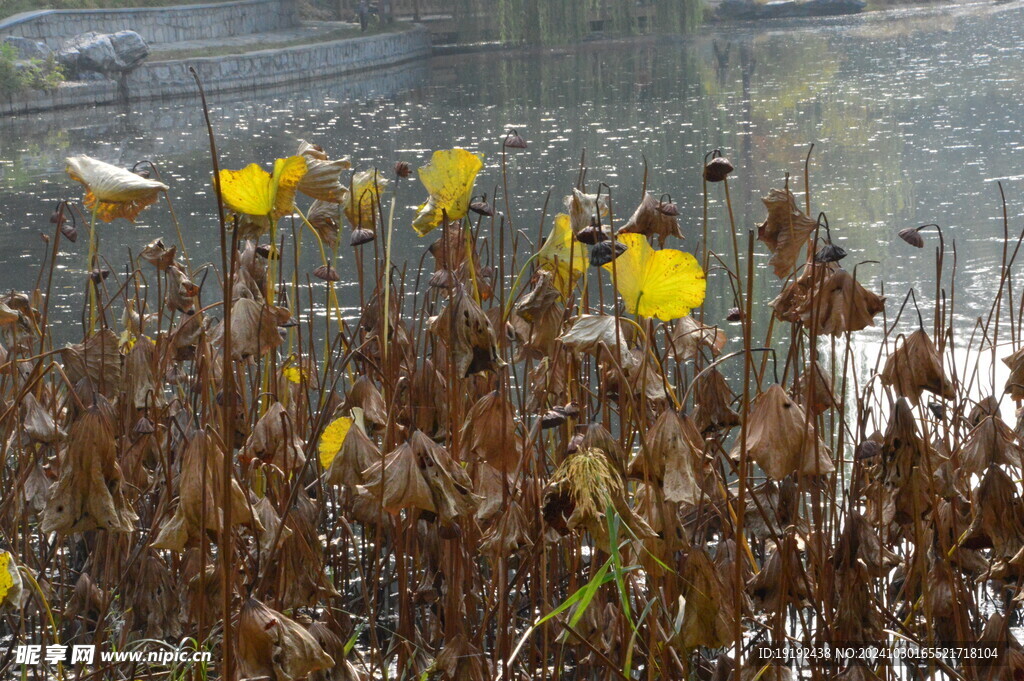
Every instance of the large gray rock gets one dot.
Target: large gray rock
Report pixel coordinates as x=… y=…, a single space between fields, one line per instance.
x=28 y=49
x=131 y=49
x=91 y=51
x=109 y=54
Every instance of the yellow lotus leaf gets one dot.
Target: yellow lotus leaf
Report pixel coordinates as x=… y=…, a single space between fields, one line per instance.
x=449 y=178
x=10 y=581
x=561 y=252
x=294 y=374
x=254 y=191
x=332 y=439
x=363 y=200
x=666 y=284
x=110 y=191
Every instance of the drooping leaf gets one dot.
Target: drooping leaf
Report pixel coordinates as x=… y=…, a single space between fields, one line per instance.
x=785 y=231
x=666 y=284
x=562 y=256
x=449 y=179
x=254 y=191
x=111 y=191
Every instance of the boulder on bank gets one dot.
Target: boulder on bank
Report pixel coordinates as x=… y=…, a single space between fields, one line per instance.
x=106 y=53
x=28 y=49
x=130 y=47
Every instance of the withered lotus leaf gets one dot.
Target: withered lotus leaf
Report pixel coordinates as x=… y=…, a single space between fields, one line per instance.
x=419 y=473
x=785 y=231
x=200 y=484
x=509 y=533
x=999 y=513
x=356 y=455
x=325 y=216
x=322 y=180
x=902 y=448
x=253 y=328
x=706 y=619
x=841 y=304
x=110 y=191
x=469 y=334
x=815 y=381
x=295 y=572
x=538 y=318
x=713 y=397
x=343 y=669
x=181 y=291
x=857 y=619
x=585 y=209
x=88 y=495
x=859 y=543
x=782 y=580
x=276 y=647
x=638 y=374
x=782 y=440
x=1015 y=382
x=158 y=255
x=489 y=433
x=651 y=222
x=493 y=487
x=916 y=366
x=592 y=333
x=274 y=440
x=140 y=375
x=365 y=395
x=990 y=443
x=37 y=423
x=97 y=360
x=153 y=598
x=270 y=519
x=792 y=303
x=87 y=600
x=460 y=660
x=688 y=337
x=672 y=454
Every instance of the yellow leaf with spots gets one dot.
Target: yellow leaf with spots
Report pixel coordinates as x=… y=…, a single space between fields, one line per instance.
x=666 y=284
x=254 y=191
x=332 y=439
x=294 y=374
x=562 y=253
x=449 y=179
x=10 y=581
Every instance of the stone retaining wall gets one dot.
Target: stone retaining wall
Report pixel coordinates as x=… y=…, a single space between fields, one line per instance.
x=273 y=67
x=157 y=24
x=231 y=73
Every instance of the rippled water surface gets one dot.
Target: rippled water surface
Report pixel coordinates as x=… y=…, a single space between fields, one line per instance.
x=914 y=114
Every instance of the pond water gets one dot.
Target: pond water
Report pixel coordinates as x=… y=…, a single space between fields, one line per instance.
x=914 y=113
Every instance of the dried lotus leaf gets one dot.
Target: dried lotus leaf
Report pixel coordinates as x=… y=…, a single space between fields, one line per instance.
x=88 y=495
x=651 y=222
x=916 y=366
x=782 y=440
x=274 y=646
x=785 y=231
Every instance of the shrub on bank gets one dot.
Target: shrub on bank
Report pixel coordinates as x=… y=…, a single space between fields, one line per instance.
x=17 y=74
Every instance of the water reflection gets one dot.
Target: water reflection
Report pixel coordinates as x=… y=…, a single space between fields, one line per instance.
x=913 y=112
